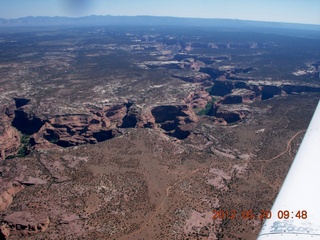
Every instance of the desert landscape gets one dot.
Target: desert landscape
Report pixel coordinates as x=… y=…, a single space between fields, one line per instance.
x=115 y=131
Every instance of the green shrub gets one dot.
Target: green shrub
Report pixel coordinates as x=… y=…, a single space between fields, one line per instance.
x=206 y=110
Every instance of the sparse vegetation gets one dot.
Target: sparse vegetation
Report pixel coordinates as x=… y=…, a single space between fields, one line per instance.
x=207 y=108
x=23 y=151
x=131 y=186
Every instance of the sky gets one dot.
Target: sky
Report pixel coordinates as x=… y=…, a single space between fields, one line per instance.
x=295 y=11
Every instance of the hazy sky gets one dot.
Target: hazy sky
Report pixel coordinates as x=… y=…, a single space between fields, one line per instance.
x=297 y=11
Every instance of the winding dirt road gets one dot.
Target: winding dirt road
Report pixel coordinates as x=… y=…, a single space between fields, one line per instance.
x=288 y=150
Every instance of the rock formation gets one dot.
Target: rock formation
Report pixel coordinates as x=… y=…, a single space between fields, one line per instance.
x=7 y=191
x=221 y=88
x=9 y=136
x=72 y=130
x=164 y=113
x=171 y=117
x=232 y=114
x=23 y=224
x=194 y=77
x=263 y=91
x=198 y=98
x=239 y=96
x=102 y=123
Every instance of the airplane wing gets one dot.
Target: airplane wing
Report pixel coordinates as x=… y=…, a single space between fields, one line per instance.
x=296 y=210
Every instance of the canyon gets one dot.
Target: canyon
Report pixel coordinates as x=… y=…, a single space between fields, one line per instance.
x=142 y=131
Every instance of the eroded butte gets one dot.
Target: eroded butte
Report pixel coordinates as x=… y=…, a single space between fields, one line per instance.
x=141 y=133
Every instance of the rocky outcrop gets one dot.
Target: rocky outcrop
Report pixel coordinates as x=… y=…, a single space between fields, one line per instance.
x=232 y=99
x=188 y=63
x=180 y=133
x=4 y=232
x=299 y=89
x=198 y=99
x=23 y=224
x=195 y=65
x=171 y=117
x=196 y=57
x=100 y=124
x=67 y=130
x=26 y=121
x=164 y=65
x=241 y=85
x=214 y=73
x=9 y=141
x=7 y=192
x=237 y=92
x=223 y=114
x=29 y=181
x=9 y=136
x=194 y=77
x=221 y=88
x=239 y=96
x=138 y=117
x=269 y=91
x=131 y=118
x=72 y=130
x=146 y=119
x=255 y=91
x=165 y=113
x=21 y=102
x=232 y=114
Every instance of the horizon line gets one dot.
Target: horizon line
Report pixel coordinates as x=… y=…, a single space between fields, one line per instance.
x=177 y=17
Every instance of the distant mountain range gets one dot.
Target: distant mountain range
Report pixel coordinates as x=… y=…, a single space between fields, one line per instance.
x=150 y=20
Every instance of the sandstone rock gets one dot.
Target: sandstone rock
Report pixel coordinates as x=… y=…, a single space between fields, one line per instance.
x=232 y=99
x=32 y=181
x=115 y=113
x=220 y=121
x=268 y=91
x=66 y=219
x=164 y=64
x=172 y=112
x=24 y=223
x=240 y=84
x=26 y=121
x=9 y=136
x=75 y=129
x=299 y=89
x=9 y=141
x=21 y=102
x=171 y=117
x=146 y=119
x=198 y=99
x=229 y=116
x=222 y=88
x=239 y=96
x=214 y=73
x=181 y=133
x=4 y=232
x=232 y=113
x=213 y=110
x=104 y=135
x=7 y=111
x=195 y=77
x=7 y=192
x=196 y=66
x=132 y=117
